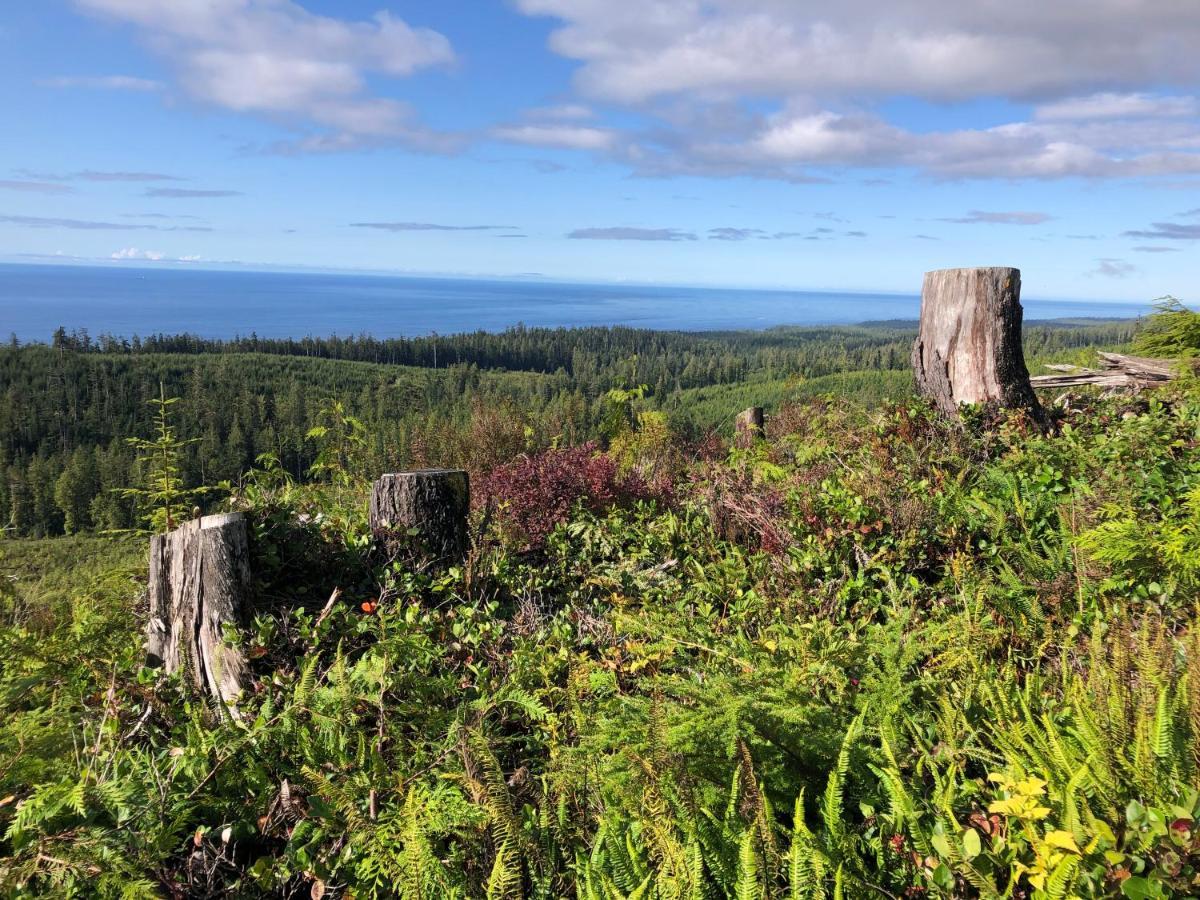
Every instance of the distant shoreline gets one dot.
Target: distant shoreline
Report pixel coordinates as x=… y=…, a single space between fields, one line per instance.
x=37 y=299
x=74 y=335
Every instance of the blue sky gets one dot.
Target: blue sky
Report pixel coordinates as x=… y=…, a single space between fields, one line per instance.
x=780 y=143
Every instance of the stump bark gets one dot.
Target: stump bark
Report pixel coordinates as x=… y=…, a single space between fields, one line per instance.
x=424 y=511
x=199 y=586
x=968 y=348
x=748 y=427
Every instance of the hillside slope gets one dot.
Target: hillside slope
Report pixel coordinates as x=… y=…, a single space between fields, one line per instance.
x=881 y=654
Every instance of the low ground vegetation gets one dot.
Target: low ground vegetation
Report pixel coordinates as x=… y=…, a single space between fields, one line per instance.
x=879 y=654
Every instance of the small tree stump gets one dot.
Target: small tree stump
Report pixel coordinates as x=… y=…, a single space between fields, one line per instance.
x=199 y=585
x=425 y=511
x=968 y=348
x=748 y=427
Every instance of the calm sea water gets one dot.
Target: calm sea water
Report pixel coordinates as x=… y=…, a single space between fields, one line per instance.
x=36 y=299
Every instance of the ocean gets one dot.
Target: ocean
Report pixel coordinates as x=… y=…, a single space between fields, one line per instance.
x=37 y=299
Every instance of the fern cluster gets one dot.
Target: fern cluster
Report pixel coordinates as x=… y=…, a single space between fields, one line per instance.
x=878 y=655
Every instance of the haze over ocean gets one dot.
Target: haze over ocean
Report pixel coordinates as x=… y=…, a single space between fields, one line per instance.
x=36 y=299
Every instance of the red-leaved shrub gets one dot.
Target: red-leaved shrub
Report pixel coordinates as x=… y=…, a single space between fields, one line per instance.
x=532 y=494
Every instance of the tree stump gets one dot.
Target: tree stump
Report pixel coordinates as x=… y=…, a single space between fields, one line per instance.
x=968 y=348
x=748 y=427
x=199 y=585
x=423 y=511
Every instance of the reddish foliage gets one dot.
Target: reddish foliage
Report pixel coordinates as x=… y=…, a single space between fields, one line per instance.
x=533 y=494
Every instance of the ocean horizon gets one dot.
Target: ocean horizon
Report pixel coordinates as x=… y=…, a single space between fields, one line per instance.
x=35 y=299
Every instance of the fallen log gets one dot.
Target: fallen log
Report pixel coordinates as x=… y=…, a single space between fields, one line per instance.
x=1116 y=371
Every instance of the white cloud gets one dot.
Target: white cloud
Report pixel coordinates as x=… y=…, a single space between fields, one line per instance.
x=563 y=111
x=936 y=49
x=275 y=58
x=1118 y=106
x=797 y=142
x=135 y=253
x=570 y=137
x=789 y=88
x=103 y=82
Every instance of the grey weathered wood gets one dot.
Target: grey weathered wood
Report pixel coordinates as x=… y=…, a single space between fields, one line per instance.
x=199 y=586
x=425 y=510
x=968 y=348
x=748 y=427
x=1116 y=371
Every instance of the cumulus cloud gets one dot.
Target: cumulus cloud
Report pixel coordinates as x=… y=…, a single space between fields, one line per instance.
x=631 y=234
x=275 y=58
x=133 y=253
x=428 y=226
x=1108 y=267
x=785 y=88
x=796 y=143
x=934 y=49
x=1117 y=106
x=980 y=217
x=103 y=82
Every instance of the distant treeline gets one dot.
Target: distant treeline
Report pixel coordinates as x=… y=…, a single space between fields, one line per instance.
x=823 y=350
x=68 y=406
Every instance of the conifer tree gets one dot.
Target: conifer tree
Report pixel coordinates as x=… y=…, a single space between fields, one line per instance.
x=162 y=497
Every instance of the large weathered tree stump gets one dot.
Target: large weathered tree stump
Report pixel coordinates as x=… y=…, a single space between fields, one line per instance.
x=424 y=512
x=199 y=586
x=748 y=427
x=968 y=349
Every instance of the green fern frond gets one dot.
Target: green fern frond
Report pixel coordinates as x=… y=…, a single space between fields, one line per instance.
x=749 y=884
